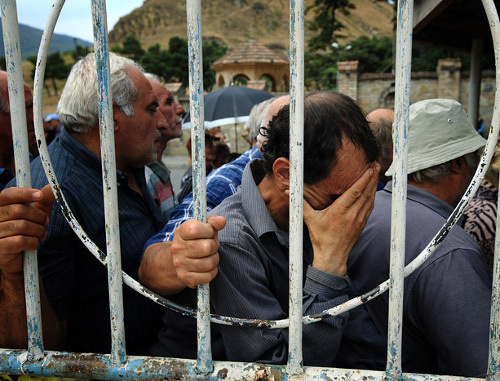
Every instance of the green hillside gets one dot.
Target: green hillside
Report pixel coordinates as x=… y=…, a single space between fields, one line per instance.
x=31 y=37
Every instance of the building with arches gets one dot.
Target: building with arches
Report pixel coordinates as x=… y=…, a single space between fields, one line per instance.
x=255 y=65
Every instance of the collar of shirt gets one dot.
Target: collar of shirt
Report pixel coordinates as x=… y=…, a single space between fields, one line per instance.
x=255 y=208
x=428 y=200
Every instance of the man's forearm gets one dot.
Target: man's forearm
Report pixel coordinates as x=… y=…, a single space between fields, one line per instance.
x=13 y=325
x=157 y=271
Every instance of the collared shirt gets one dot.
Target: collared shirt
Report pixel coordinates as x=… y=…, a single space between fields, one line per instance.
x=160 y=187
x=253 y=283
x=221 y=183
x=75 y=282
x=446 y=303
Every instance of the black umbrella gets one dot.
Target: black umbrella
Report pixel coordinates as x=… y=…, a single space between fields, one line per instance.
x=229 y=105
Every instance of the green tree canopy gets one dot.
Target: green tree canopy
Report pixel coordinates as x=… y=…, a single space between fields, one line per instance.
x=325 y=22
x=172 y=65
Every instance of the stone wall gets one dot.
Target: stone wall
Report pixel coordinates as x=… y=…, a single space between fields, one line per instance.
x=448 y=81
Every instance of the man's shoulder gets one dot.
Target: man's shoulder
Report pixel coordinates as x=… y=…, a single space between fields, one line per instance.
x=63 y=162
x=231 y=208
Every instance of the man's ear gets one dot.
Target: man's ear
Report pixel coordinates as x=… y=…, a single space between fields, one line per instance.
x=459 y=165
x=281 y=171
x=116 y=116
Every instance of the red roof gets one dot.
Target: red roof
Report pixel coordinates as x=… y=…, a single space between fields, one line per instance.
x=251 y=52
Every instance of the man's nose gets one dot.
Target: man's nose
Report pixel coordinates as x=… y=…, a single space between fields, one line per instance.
x=179 y=110
x=161 y=122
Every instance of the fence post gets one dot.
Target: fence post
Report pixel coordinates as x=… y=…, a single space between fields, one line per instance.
x=193 y=8
x=106 y=127
x=398 y=218
x=294 y=366
x=23 y=173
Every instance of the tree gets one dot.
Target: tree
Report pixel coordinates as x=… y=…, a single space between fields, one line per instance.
x=80 y=52
x=172 y=65
x=131 y=47
x=211 y=52
x=325 y=22
x=33 y=60
x=56 y=69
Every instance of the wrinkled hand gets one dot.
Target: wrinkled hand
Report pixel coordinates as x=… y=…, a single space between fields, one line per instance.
x=195 y=250
x=22 y=227
x=335 y=230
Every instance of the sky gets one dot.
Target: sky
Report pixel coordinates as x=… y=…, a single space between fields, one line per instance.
x=75 y=19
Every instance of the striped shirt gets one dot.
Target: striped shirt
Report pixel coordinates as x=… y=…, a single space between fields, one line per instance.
x=221 y=183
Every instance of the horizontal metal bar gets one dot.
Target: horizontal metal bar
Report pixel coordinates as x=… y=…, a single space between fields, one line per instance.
x=76 y=365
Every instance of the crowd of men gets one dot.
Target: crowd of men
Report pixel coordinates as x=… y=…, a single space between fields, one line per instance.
x=242 y=250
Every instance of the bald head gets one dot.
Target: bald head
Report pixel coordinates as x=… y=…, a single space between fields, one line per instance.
x=381 y=121
x=274 y=107
x=272 y=110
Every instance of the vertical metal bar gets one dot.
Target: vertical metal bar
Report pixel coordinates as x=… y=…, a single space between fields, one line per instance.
x=475 y=79
x=494 y=353
x=204 y=364
x=106 y=127
x=398 y=219
x=294 y=366
x=23 y=174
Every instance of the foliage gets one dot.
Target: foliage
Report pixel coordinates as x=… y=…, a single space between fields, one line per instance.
x=131 y=48
x=55 y=69
x=374 y=54
x=80 y=52
x=172 y=65
x=325 y=23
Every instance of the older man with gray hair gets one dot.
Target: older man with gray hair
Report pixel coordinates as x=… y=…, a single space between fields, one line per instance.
x=446 y=303
x=75 y=282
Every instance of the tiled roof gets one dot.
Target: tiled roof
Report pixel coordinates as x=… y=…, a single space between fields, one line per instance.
x=251 y=52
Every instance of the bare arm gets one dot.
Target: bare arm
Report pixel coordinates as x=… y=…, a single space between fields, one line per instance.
x=189 y=260
x=22 y=227
x=335 y=230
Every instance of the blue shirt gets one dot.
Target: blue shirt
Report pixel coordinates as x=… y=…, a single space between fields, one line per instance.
x=221 y=183
x=75 y=282
x=446 y=302
x=6 y=175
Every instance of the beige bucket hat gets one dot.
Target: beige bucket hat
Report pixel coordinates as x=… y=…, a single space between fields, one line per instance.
x=439 y=131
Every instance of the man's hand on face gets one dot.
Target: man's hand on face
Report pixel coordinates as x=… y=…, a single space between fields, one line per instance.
x=335 y=229
x=22 y=227
x=195 y=250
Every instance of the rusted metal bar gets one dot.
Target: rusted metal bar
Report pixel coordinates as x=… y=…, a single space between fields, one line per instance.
x=398 y=218
x=110 y=193
x=17 y=107
x=102 y=367
x=294 y=367
x=193 y=8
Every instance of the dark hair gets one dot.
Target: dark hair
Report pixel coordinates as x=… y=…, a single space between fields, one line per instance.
x=328 y=118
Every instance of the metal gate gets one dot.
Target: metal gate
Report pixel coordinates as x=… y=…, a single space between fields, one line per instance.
x=117 y=365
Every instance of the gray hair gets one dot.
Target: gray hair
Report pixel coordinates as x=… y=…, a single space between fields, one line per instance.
x=255 y=118
x=78 y=105
x=433 y=174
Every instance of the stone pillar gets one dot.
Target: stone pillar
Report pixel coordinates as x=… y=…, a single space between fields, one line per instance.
x=347 y=78
x=448 y=71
